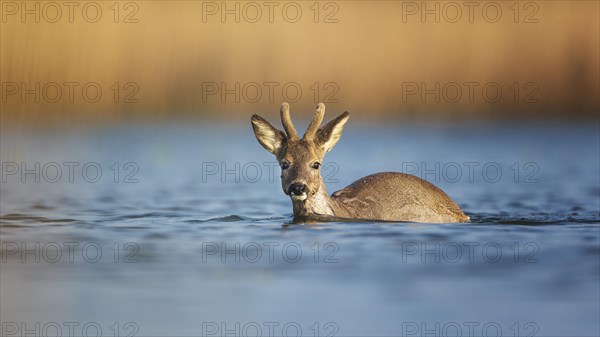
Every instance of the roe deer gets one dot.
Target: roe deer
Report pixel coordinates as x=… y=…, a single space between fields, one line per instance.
x=387 y=196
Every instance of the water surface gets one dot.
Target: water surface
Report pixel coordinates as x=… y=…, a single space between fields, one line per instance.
x=195 y=235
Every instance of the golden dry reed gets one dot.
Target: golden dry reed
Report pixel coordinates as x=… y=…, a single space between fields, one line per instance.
x=71 y=63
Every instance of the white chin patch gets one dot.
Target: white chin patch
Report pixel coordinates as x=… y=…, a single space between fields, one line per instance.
x=301 y=197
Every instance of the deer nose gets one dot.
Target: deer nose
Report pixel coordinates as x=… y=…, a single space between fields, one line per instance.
x=297 y=189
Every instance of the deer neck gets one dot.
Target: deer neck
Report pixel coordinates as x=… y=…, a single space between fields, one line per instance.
x=319 y=203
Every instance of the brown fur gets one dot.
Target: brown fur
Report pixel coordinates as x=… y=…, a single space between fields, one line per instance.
x=387 y=196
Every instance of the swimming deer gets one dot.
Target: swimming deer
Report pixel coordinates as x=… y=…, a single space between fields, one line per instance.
x=387 y=196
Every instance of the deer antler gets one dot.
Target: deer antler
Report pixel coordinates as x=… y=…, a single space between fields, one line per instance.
x=286 y=120
x=316 y=122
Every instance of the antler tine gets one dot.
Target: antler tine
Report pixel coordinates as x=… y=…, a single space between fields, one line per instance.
x=286 y=120
x=316 y=121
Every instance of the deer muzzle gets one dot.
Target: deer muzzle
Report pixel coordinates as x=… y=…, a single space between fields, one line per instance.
x=298 y=191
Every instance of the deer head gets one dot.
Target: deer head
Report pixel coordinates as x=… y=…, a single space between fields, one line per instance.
x=300 y=159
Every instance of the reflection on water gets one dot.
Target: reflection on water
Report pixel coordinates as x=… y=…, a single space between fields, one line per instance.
x=185 y=231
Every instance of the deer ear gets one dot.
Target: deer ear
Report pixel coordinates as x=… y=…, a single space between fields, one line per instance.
x=329 y=134
x=271 y=138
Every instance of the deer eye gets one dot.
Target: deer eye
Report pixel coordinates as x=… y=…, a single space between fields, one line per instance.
x=315 y=165
x=285 y=165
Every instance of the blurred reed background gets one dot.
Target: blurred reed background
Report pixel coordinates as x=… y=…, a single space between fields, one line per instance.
x=172 y=55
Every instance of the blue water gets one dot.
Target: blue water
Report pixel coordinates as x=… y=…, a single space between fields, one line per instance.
x=196 y=238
